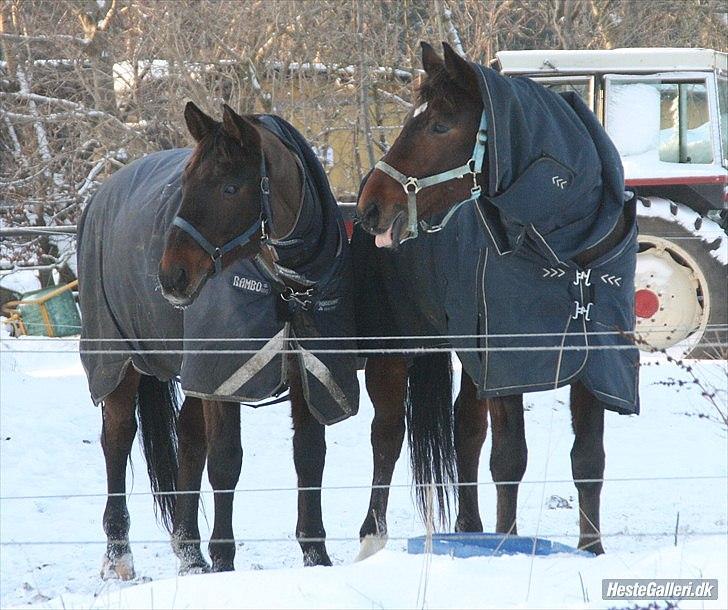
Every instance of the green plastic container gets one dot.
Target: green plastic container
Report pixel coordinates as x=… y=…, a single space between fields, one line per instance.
x=51 y=312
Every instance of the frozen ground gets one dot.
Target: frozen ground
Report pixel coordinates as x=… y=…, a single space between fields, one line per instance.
x=51 y=547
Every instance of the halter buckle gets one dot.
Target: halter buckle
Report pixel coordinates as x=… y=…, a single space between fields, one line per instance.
x=474 y=173
x=411 y=181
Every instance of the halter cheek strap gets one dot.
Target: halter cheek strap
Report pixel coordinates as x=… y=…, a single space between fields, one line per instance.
x=412 y=185
x=259 y=225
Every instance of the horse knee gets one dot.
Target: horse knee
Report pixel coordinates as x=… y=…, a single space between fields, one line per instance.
x=508 y=458
x=508 y=463
x=388 y=426
x=587 y=461
x=386 y=383
x=224 y=465
x=309 y=456
x=470 y=429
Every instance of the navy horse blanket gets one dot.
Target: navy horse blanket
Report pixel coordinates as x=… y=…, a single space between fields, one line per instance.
x=226 y=345
x=502 y=276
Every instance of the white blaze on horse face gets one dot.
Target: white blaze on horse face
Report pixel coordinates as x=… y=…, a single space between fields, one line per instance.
x=419 y=110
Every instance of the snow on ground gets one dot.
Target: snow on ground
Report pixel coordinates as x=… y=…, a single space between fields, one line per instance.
x=52 y=547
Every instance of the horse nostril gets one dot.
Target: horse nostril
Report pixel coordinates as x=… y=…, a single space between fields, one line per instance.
x=370 y=217
x=179 y=279
x=174 y=280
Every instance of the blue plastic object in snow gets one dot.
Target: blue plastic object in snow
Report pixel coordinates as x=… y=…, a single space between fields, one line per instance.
x=476 y=544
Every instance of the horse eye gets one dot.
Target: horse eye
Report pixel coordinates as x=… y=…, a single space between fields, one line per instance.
x=440 y=128
x=230 y=189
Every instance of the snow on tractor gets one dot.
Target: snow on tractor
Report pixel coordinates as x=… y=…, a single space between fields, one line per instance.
x=667 y=112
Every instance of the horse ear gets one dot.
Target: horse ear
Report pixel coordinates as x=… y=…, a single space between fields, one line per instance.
x=430 y=59
x=460 y=70
x=239 y=128
x=198 y=123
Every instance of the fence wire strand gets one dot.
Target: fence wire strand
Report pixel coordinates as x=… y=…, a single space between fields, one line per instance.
x=708 y=477
x=291 y=539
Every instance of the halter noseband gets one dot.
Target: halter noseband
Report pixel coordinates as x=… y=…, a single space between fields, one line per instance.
x=217 y=252
x=412 y=185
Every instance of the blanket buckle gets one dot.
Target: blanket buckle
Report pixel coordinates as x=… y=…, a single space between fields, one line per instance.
x=290 y=295
x=582 y=310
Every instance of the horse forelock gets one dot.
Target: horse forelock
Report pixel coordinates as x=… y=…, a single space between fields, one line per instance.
x=439 y=87
x=218 y=148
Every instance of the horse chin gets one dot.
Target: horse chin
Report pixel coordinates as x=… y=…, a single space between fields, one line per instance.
x=394 y=234
x=182 y=301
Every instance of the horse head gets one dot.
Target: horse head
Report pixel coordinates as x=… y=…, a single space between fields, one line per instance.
x=228 y=190
x=437 y=136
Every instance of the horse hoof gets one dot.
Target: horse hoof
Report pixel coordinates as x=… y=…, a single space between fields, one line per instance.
x=316 y=557
x=222 y=566
x=194 y=565
x=191 y=561
x=370 y=545
x=196 y=569
x=118 y=568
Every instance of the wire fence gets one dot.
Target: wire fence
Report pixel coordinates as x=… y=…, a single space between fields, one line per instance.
x=470 y=537
x=15 y=347
x=464 y=536
x=376 y=345
x=711 y=477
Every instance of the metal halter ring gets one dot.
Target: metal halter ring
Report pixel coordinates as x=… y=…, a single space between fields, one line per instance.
x=411 y=181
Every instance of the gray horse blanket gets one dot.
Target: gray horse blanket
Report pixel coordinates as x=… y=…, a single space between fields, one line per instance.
x=227 y=344
x=501 y=275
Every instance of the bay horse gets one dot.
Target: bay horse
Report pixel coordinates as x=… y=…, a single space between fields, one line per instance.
x=413 y=183
x=141 y=267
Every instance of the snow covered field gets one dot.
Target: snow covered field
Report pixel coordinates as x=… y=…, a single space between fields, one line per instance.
x=52 y=546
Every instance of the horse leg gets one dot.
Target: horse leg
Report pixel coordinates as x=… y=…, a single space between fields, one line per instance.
x=309 y=456
x=587 y=462
x=471 y=427
x=224 y=460
x=386 y=382
x=508 y=457
x=117 y=435
x=192 y=454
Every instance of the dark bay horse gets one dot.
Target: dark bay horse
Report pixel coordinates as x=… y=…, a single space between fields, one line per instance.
x=415 y=183
x=156 y=234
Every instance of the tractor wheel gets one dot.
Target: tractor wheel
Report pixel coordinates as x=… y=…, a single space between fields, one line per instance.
x=681 y=281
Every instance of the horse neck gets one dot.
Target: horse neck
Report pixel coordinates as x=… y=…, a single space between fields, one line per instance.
x=286 y=200
x=286 y=185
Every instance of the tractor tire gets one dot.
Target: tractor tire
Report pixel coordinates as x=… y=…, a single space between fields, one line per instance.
x=681 y=282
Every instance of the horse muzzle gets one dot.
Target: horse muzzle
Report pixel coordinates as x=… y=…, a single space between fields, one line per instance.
x=180 y=278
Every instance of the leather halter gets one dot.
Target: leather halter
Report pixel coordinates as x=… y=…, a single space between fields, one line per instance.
x=217 y=252
x=412 y=185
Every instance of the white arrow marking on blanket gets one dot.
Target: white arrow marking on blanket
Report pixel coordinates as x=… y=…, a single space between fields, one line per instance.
x=254 y=365
x=551 y=272
x=559 y=181
x=612 y=280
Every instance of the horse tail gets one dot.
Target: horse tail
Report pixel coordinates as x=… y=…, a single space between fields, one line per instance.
x=157 y=406
x=430 y=432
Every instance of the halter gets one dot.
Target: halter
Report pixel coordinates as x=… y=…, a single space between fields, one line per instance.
x=217 y=252
x=412 y=185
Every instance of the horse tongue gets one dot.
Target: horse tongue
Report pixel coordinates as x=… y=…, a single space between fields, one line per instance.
x=384 y=240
